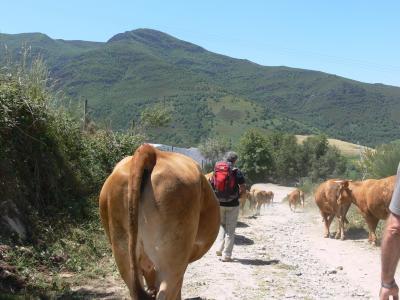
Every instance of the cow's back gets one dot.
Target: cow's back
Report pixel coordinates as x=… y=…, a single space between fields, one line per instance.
x=325 y=196
x=378 y=196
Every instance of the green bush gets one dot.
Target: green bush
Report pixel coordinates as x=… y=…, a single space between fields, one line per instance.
x=255 y=156
x=48 y=165
x=381 y=162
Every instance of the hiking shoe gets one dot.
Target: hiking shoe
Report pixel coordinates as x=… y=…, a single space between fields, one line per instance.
x=219 y=253
x=227 y=259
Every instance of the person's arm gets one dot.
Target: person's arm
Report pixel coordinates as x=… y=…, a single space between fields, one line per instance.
x=390 y=254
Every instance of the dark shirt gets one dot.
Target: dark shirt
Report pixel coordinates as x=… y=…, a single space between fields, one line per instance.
x=239 y=180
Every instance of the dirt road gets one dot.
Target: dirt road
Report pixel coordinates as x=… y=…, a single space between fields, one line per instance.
x=281 y=254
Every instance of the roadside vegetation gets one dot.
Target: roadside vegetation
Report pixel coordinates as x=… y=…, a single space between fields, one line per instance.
x=51 y=171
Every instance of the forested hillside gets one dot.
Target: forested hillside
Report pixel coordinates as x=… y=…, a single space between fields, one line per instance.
x=208 y=93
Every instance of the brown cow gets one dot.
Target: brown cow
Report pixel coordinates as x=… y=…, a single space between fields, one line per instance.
x=159 y=213
x=260 y=198
x=271 y=196
x=269 y=199
x=244 y=197
x=252 y=198
x=326 y=198
x=372 y=197
x=294 y=198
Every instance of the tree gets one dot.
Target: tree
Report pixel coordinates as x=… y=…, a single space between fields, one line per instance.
x=155 y=116
x=312 y=149
x=255 y=157
x=286 y=157
x=316 y=145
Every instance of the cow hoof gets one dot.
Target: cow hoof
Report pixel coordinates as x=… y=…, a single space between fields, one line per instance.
x=151 y=292
x=343 y=238
x=326 y=235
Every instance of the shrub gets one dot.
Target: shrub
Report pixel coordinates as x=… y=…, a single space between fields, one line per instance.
x=48 y=165
x=381 y=162
x=255 y=157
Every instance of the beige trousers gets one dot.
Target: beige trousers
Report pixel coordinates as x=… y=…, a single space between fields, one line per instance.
x=226 y=235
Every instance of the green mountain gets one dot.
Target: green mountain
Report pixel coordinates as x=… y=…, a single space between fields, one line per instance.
x=209 y=93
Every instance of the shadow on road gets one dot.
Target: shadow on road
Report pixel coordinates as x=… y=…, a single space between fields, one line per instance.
x=356 y=234
x=257 y=262
x=241 y=225
x=251 y=217
x=242 y=240
x=86 y=294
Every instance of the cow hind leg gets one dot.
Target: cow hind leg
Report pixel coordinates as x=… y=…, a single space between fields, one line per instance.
x=372 y=223
x=149 y=272
x=170 y=286
x=340 y=229
x=258 y=208
x=327 y=222
x=121 y=255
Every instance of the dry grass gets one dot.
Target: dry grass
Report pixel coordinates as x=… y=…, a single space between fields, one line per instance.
x=346 y=148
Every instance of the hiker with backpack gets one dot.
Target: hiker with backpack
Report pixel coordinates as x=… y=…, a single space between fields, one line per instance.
x=228 y=183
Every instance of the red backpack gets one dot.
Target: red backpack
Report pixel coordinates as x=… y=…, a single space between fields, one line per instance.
x=224 y=181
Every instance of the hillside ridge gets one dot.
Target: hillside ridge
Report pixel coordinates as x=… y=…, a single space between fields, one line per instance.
x=141 y=67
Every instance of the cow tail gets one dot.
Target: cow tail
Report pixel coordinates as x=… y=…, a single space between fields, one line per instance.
x=143 y=162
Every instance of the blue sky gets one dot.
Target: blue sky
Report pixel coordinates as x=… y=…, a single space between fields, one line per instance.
x=354 y=39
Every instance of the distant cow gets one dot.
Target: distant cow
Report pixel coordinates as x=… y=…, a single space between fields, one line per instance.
x=326 y=198
x=294 y=198
x=159 y=214
x=372 y=197
x=244 y=197
x=302 y=196
x=261 y=198
x=270 y=199
x=253 y=201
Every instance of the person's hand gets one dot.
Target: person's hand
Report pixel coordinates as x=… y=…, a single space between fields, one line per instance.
x=385 y=293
